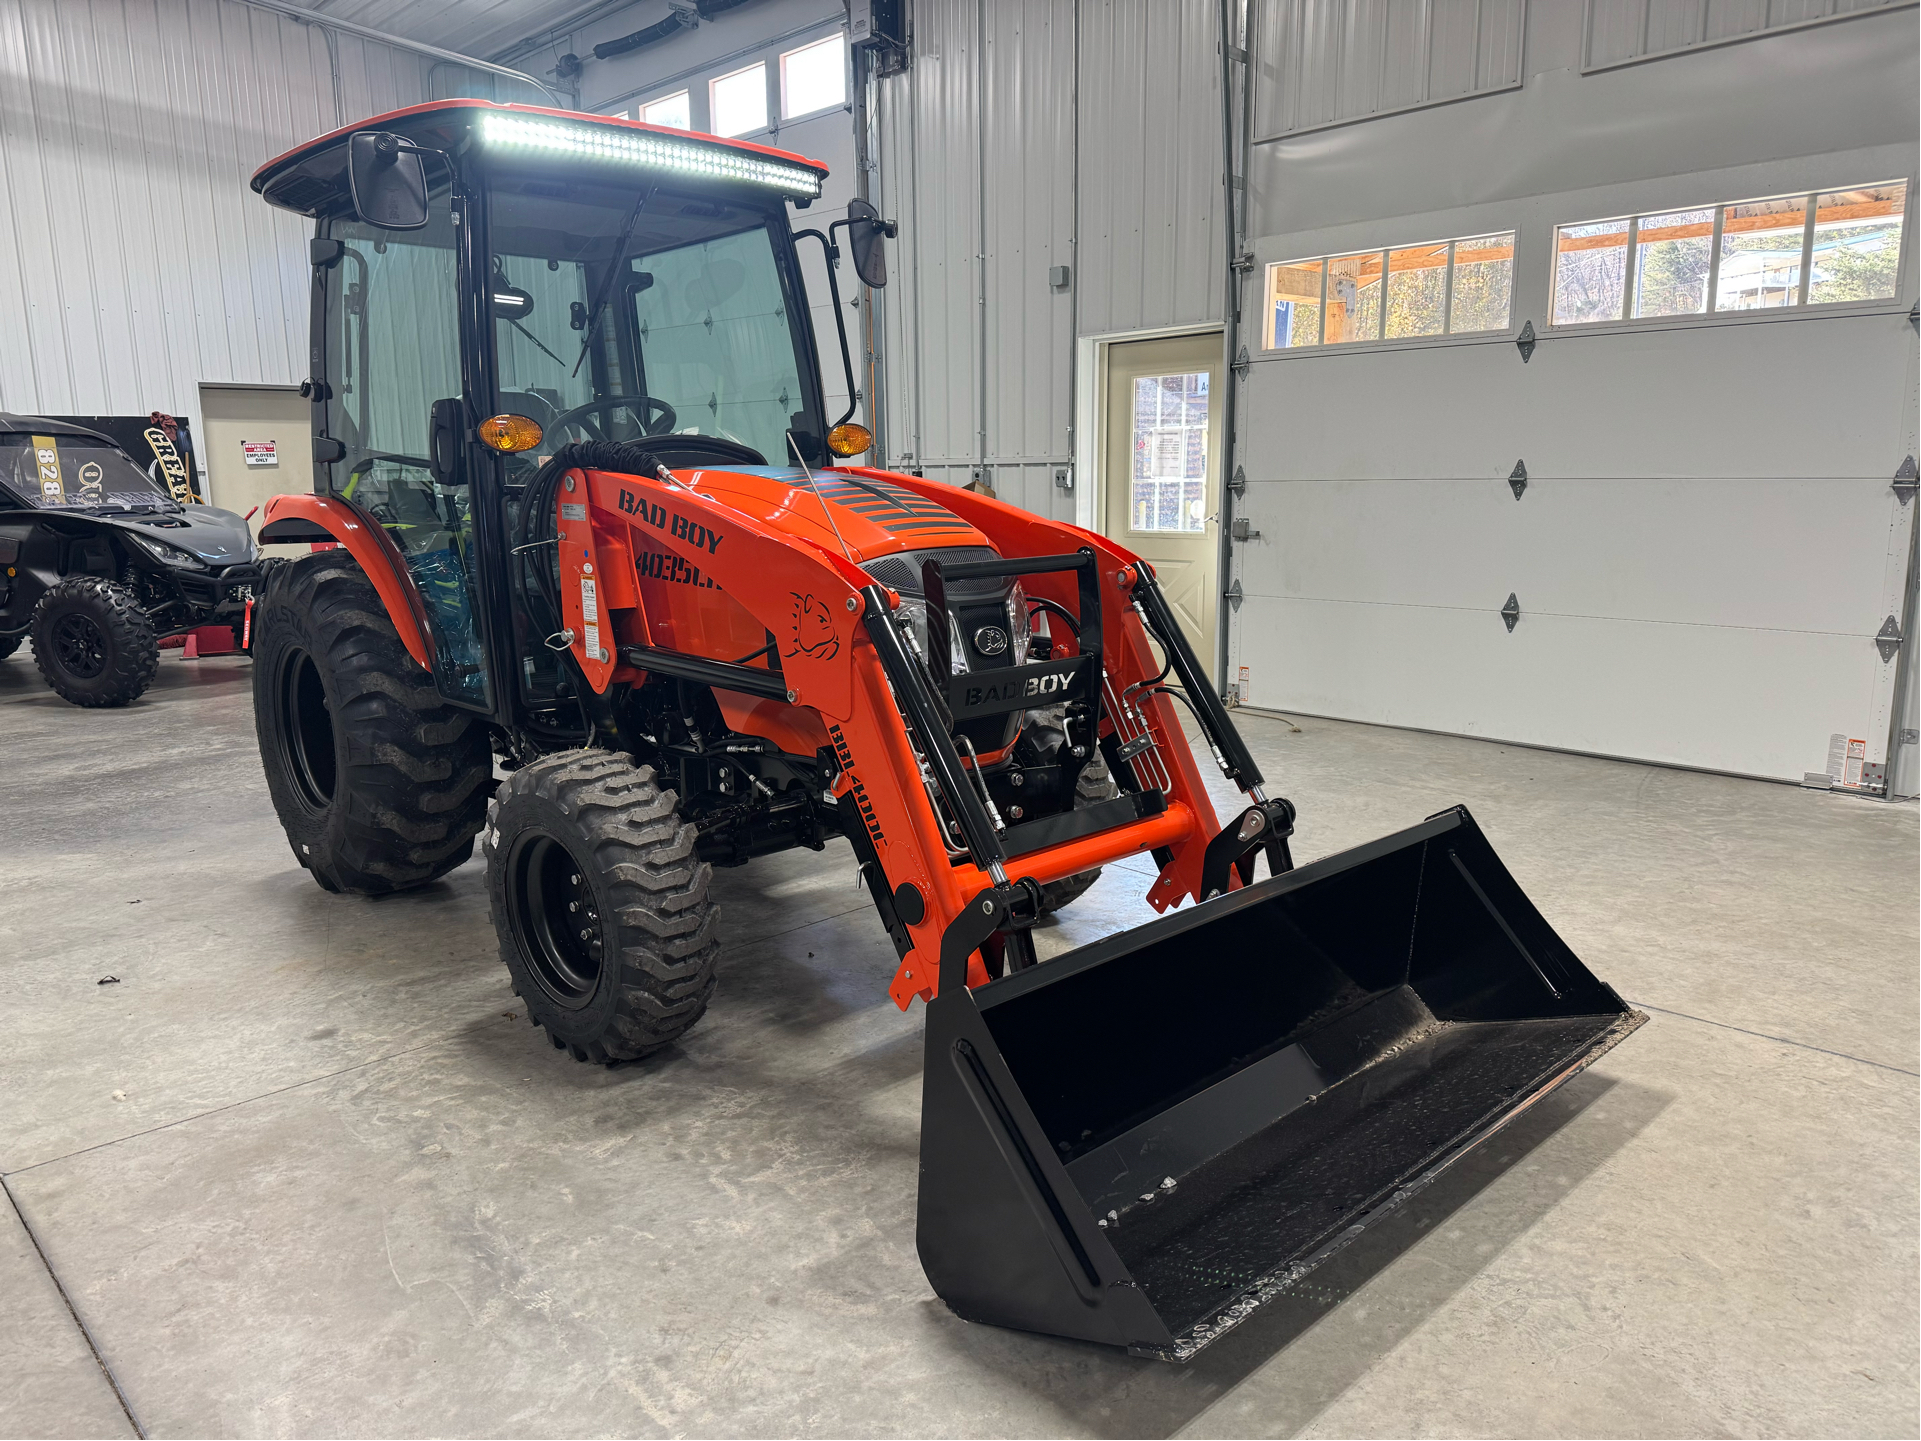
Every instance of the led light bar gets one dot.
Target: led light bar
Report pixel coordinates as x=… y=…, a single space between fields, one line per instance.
x=657 y=151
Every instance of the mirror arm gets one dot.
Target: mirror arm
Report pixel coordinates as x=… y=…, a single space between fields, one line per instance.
x=840 y=321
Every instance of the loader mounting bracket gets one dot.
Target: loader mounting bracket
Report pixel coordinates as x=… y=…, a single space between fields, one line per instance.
x=1263 y=825
x=1012 y=906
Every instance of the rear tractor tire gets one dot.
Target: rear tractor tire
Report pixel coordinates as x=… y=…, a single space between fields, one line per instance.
x=379 y=783
x=600 y=904
x=1095 y=785
x=93 y=643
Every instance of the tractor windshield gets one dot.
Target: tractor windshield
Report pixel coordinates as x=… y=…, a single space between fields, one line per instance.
x=623 y=310
x=76 y=472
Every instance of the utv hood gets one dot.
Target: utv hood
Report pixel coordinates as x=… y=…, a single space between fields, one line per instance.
x=219 y=537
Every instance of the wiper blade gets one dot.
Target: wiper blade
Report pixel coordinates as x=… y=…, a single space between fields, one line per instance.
x=607 y=280
x=536 y=340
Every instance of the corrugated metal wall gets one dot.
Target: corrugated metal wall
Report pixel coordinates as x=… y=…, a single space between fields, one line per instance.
x=1620 y=31
x=987 y=209
x=134 y=261
x=1327 y=62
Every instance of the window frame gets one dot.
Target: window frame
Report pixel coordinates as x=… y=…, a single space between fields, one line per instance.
x=846 y=78
x=1801 y=309
x=1383 y=341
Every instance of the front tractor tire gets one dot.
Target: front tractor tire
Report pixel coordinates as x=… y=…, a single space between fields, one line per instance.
x=600 y=904
x=93 y=643
x=380 y=784
x=1095 y=785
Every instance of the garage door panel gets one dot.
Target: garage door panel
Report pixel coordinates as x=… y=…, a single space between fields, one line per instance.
x=1757 y=702
x=1783 y=398
x=1767 y=554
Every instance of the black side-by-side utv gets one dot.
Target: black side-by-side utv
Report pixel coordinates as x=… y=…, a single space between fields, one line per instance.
x=98 y=564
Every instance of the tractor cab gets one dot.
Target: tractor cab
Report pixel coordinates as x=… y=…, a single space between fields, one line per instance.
x=581 y=278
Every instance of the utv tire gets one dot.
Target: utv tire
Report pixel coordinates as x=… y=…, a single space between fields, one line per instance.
x=93 y=643
x=379 y=783
x=1095 y=785
x=600 y=904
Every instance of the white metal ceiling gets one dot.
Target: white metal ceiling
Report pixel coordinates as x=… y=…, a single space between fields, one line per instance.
x=480 y=28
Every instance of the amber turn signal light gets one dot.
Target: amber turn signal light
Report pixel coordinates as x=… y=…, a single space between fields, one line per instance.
x=509 y=433
x=850 y=439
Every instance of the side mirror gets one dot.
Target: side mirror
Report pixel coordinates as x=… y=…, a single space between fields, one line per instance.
x=864 y=231
x=388 y=180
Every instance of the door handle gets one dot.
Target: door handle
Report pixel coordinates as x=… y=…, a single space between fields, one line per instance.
x=443 y=441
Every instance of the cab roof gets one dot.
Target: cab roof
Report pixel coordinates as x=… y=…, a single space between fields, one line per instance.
x=294 y=181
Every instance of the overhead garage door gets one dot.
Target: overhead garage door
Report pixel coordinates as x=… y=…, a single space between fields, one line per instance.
x=1704 y=557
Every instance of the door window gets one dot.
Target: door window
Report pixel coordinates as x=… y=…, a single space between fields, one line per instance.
x=1169 y=489
x=393 y=350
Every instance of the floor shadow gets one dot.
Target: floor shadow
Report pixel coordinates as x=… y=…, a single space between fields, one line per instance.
x=1110 y=1394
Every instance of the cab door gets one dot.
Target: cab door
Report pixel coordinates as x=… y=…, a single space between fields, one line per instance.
x=393 y=378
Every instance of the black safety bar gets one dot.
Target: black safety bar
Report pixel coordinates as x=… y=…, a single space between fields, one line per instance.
x=935 y=574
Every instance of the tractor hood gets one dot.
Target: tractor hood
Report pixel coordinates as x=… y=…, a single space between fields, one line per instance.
x=218 y=537
x=861 y=516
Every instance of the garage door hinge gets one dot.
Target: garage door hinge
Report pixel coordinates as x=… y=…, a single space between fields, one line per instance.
x=1241 y=362
x=1517 y=478
x=1904 y=481
x=1909 y=738
x=1511 y=612
x=1239 y=482
x=1525 y=342
x=1888 y=639
x=1233 y=594
x=1244 y=261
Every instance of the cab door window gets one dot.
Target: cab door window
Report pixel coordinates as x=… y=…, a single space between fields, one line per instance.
x=393 y=350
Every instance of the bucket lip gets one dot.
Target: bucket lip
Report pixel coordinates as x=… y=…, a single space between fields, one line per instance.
x=1019 y=983
x=1192 y=1339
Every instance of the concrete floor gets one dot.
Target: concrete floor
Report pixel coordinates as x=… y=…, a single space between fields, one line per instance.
x=305 y=1169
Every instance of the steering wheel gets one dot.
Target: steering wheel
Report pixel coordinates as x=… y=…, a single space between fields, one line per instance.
x=639 y=405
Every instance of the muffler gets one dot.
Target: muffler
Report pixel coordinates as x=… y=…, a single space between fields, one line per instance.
x=1142 y=1141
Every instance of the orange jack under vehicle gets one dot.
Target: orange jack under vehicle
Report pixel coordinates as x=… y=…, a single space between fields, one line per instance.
x=595 y=527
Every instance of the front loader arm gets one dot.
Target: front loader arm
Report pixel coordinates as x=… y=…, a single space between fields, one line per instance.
x=952 y=882
x=1130 y=662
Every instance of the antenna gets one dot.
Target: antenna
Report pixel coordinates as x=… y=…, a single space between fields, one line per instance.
x=819 y=498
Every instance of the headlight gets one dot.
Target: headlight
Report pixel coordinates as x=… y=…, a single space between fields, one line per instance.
x=171 y=555
x=1017 y=624
x=914 y=609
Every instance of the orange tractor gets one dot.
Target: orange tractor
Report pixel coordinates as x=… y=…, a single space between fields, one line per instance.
x=593 y=525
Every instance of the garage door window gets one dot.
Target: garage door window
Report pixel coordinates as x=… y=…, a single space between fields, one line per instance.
x=1782 y=253
x=1442 y=287
x=671 y=110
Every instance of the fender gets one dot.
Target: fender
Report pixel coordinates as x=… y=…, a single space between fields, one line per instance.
x=297 y=517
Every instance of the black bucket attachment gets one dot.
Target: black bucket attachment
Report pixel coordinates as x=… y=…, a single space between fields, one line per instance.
x=1141 y=1141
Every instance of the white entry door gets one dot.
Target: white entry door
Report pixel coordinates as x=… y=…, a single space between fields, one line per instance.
x=1161 y=470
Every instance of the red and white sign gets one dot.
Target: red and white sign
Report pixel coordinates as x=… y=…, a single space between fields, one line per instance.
x=260 y=452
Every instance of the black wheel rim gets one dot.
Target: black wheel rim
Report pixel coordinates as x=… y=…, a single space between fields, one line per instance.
x=307 y=730
x=555 y=919
x=79 y=646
